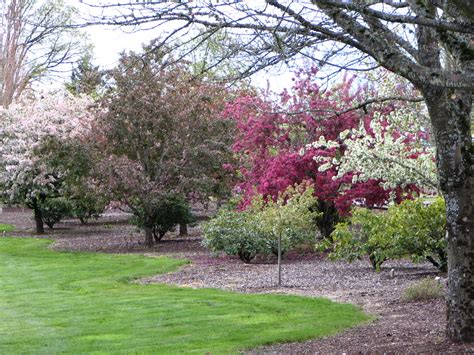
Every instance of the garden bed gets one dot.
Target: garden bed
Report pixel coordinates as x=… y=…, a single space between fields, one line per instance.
x=400 y=327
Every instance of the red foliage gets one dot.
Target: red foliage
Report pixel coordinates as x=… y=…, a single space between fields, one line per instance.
x=270 y=138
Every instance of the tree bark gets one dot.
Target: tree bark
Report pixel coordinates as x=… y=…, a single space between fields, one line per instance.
x=279 y=260
x=148 y=237
x=38 y=220
x=183 y=229
x=450 y=111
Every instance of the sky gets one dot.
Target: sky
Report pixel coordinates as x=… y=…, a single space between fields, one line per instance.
x=108 y=42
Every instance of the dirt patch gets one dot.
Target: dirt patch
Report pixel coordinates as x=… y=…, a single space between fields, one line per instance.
x=400 y=327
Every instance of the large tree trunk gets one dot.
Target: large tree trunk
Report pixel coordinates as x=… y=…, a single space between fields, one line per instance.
x=450 y=116
x=38 y=220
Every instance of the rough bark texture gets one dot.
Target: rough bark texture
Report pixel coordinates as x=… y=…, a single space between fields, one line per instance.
x=450 y=114
x=183 y=229
x=39 y=221
x=148 y=237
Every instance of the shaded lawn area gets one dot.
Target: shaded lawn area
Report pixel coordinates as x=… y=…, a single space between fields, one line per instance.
x=83 y=302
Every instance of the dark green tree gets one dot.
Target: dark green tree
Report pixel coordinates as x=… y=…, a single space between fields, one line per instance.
x=86 y=78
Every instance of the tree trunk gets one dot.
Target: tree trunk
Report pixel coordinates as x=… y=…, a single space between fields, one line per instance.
x=450 y=116
x=38 y=220
x=183 y=229
x=279 y=259
x=148 y=237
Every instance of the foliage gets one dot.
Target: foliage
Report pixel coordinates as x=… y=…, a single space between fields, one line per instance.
x=87 y=205
x=234 y=233
x=412 y=229
x=161 y=134
x=53 y=210
x=423 y=290
x=27 y=177
x=421 y=230
x=86 y=78
x=256 y=230
x=394 y=150
x=37 y=40
x=291 y=217
x=162 y=214
x=273 y=145
x=124 y=316
x=367 y=233
x=79 y=157
x=6 y=227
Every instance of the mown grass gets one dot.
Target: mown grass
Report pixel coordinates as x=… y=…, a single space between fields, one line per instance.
x=6 y=228
x=55 y=302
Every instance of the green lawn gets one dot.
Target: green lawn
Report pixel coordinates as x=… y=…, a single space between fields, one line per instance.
x=53 y=302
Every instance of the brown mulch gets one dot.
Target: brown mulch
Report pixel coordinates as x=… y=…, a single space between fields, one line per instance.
x=399 y=327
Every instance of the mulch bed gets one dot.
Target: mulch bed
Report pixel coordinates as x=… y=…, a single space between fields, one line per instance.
x=400 y=327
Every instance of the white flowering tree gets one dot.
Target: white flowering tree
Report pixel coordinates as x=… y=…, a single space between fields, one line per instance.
x=394 y=149
x=27 y=125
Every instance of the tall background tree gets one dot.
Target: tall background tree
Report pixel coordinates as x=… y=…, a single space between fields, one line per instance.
x=35 y=40
x=86 y=78
x=429 y=42
x=162 y=136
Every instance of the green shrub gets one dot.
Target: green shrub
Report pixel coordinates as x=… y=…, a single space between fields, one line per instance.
x=234 y=233
x=87 y=206
x=6 y=228
x=412 y=229
x=421 y=229
x=162 y=214
x=423 y=290
x=55 y=209
x=368 y=233
x=258 y=229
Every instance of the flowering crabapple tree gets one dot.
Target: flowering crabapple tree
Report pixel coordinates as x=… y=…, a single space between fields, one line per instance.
x=26 y=126
x=161 y=127
x=394 y=149
x=272 y=138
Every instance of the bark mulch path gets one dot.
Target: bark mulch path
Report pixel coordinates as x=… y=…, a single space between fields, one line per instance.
x=400 y=327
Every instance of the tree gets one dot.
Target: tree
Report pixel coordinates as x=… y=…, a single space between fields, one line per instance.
x=26 y=127
x=162 y=135
x=430 y=43
x=35 y=40
x=393 y=149
x=273 y=142
x=86 y=78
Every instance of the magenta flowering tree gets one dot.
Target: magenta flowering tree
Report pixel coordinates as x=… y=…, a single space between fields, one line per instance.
x=273 y=143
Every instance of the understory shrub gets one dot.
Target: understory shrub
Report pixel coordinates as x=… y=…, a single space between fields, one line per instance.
x=87 y=206
x=413 y=229
x=234 y=233
x=257 y=229
x=162 y=214
x=6 y=228
x=53 y=210
x=423 y=290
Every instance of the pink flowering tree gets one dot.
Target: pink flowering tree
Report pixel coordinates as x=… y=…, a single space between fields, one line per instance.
x=273 y=137
x=25 y=127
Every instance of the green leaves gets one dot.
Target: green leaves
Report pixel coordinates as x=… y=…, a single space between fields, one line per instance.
x=257 y=229
x=413 y=229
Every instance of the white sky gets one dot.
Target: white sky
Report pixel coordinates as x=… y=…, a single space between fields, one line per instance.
x=110 y=41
